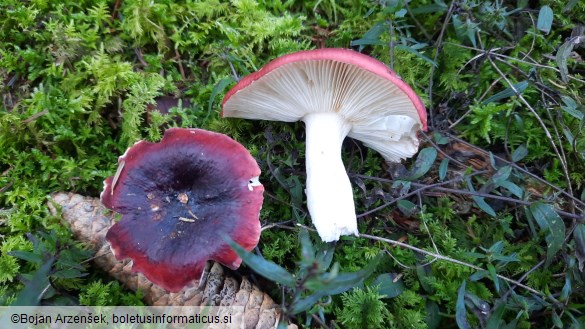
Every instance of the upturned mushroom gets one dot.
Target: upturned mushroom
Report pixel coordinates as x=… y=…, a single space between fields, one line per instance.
x=336 y=93
x=179 y=199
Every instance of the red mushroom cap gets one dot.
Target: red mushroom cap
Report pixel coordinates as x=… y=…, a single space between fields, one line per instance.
x=339 y=55
x=179 y=199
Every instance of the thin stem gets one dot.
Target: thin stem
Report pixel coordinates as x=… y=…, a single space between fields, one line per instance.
x=391 y=44
x=437 y=187
x=316 y=318
x=522 y=278
x=544 y=127
x=503 y=198
x=35 y=116
x=417 y=23
x=455 y=180
x=180 y=63
x=491 y=52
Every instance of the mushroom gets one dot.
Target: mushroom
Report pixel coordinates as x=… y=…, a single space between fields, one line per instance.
x=336 y=93
x=179 y=199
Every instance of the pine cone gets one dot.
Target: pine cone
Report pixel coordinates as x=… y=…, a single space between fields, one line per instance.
x=90 y=220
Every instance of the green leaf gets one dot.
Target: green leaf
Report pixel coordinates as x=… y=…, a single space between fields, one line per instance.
x=465 y=31
x=477 y=305
x=403 y=185
x=217 y=89
x=579 y=237
x=513 y=324
x=424 y=161
x=561 y=58
x=306 y=303
x=400 y=13
x=417 y=53
x=508 y=92
x=296 y=190
x=324 y=255
x=492 y=160
x=502 y=175
x=437 y=7
x=69 y=274
x=440 y=139
x=480 y=202
x=569 y=136
x=406 y=207
x=307 y=251
x=345 y=281
x=557 y=320
x=577 y=323
x=264 y=267
x=495 y=321
x=424 y=274
x=34 y=289
x=443 y=169
x=513 y=188
x=372 y=37
x=494 y=276
x=567 y=289
x=550 y=222
x=496 y=248
x=545 y=19
x=27 y=255
x=519 y=153
x=572 y=108
x=460 y=312
x=479 y=275
x=433 y=312
x=342 y=282
x=388 y=285
x=510 y=258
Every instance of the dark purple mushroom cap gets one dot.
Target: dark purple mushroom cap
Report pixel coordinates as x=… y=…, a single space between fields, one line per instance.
x=179 y=199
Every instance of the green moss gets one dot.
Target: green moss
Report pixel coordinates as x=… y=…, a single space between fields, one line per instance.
x=98 y=293
x=364 y=309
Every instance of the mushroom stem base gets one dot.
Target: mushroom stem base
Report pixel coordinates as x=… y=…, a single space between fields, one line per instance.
x=329 y=192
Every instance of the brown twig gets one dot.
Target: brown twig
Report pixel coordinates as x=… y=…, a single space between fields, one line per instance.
x=35 y=116
x=140 y=57
x=115 y=10
x=180 y=63
x=6 y=187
